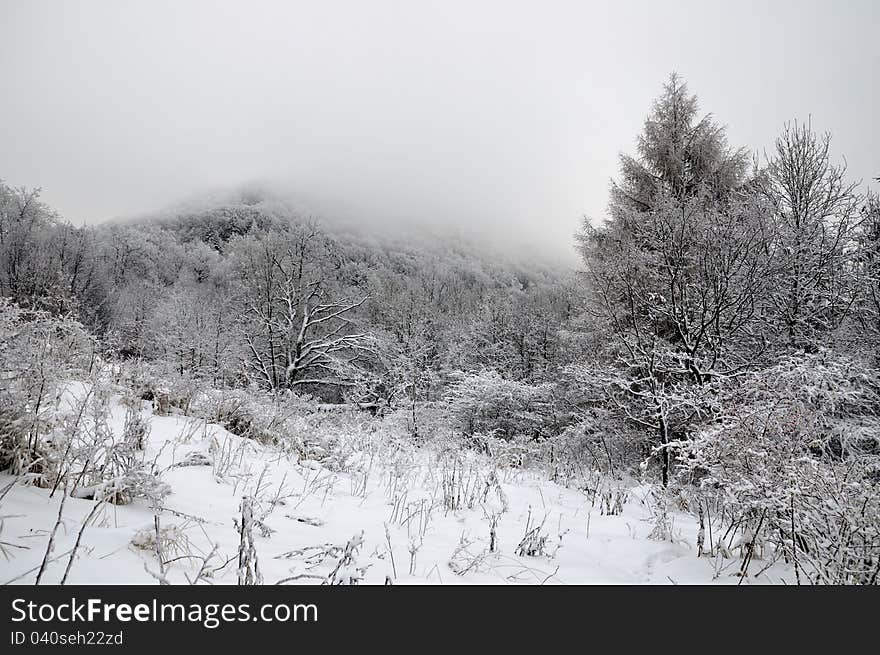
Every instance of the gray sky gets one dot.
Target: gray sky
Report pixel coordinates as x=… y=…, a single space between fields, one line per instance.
x=501 y=118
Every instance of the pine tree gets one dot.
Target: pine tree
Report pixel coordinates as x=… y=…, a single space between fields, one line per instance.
x=677 y=154
x=675 y=274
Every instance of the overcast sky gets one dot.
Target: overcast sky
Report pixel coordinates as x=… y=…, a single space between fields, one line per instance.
x=505 y=118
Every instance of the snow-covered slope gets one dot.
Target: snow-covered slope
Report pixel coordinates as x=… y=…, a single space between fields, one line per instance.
x=425 y=517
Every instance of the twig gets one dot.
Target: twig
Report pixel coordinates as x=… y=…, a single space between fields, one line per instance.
x=19 y=577
x=78 y=538
x=51 y=545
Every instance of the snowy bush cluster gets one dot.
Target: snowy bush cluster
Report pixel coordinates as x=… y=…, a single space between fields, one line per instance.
x=39 y=353
x=795 y=461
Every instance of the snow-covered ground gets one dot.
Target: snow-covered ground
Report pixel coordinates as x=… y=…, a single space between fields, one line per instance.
x=392 y=493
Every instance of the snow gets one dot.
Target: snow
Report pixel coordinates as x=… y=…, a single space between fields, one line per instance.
x=304 y=504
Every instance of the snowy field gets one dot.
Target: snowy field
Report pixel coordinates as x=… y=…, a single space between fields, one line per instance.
x=382 y=512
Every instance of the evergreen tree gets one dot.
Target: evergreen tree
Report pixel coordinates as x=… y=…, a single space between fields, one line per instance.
x=677 y=155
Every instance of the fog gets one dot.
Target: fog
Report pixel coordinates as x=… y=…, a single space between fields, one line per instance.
x=502 y=120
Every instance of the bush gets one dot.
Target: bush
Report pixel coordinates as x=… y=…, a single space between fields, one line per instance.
x=787 y=464
x=487 y=403
x=39 y=354
x=164 y=385
x=254 y=414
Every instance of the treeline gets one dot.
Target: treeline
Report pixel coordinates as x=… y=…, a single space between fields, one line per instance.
x=249 y=293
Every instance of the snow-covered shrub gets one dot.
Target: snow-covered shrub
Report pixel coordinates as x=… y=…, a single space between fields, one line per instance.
x=463 y=481
x=173 y=540
x=254 y=414
x=136 y=428
x=39 y=353
x=346 y=440
x=433 y=421
x=612 y=501
x=487 y=403
x=141 y=483
x=347 y=570
x=661 y=520
x=517 y=453
x=637 y=413
x=534 y=540
x=108 y=466
x=493 y=495
x=595 y=442
x=18 y=453
x=793 y=462
x=164 y=385
x=195 y=458
x=339 y=437
x=124 y=488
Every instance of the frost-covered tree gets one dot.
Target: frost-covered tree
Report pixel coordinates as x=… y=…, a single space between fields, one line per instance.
x=678 y=272
x=47 y=263
x=867 y=313
x=678 y=154
x=816 y=211
x=297 y=326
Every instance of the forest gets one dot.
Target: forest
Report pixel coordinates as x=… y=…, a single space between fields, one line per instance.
x=711 y=368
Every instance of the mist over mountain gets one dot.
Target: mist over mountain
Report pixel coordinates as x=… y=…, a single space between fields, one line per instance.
x=502 y=246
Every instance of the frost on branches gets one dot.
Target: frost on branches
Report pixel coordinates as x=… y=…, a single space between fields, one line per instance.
x=794 y=461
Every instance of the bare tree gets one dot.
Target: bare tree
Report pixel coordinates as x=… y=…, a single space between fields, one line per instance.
x=816 y=210
x=296 y=332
